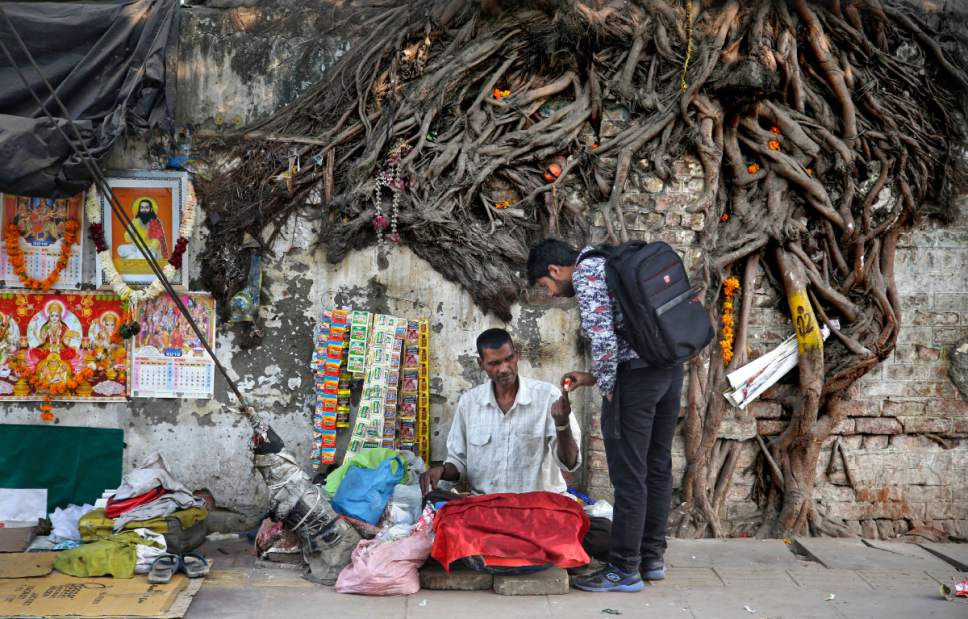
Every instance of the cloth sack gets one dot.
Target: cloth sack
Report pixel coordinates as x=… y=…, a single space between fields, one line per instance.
x=94 y=525
x=512 y=530
x=386 y=568
x=364 y=492
x=370 y=458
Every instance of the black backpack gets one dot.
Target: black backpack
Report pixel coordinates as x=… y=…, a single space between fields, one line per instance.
x=665 y=322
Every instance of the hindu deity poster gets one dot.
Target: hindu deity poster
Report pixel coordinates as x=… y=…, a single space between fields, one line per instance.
x=61 y=346
x=168 y=360
x=38 y=229
x=153 y=202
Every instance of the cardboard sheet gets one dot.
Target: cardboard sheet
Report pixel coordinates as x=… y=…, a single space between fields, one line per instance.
x=26 y=564
x=58 y=595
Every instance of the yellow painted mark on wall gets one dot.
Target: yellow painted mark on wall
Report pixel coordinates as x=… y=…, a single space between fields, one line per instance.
x=805 y=322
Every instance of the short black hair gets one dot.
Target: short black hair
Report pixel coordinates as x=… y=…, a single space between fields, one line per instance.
x=546 y=253
x=492 y=339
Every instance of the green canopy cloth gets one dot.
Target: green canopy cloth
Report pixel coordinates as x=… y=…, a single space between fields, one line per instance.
x=75 y=465
x=367 y=459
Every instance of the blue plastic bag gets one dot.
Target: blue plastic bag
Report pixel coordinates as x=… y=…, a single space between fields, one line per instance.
x=364 y=493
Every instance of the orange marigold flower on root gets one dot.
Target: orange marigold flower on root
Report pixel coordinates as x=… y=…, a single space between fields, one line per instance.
x=773 y=144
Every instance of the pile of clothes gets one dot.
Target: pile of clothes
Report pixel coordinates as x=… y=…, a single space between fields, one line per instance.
x=151 y=516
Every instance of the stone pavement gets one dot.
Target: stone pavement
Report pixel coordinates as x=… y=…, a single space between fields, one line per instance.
x=742 y=579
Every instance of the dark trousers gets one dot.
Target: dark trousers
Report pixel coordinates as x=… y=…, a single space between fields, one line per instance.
x=638 y=447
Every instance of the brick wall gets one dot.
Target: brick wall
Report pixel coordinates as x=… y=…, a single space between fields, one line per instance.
x=906 y=436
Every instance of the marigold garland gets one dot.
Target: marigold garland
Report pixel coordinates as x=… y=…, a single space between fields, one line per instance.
x=113 y=277
x=730 y=286
x=16 y=255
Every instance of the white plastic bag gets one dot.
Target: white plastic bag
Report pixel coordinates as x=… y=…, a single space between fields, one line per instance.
x=600 y=509
x=406 y=504
x=65 y=521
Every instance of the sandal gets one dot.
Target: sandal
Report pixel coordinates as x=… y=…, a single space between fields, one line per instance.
x=195 y=565
x=163 y=569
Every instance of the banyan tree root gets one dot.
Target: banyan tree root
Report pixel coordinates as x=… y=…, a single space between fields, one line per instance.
x=823 y=129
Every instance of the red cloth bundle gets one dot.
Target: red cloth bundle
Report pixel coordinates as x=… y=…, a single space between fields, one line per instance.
x=116 y=508
x=512 y=530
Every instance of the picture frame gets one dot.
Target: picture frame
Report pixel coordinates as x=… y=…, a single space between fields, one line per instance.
x=154 y=201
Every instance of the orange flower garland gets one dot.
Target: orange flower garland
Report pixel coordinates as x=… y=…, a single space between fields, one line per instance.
x=16 y=256
x=730 y=286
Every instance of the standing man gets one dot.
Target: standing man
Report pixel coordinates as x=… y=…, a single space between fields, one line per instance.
x=640 y=407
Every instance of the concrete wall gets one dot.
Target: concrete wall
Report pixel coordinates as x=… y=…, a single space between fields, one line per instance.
x=905 y=436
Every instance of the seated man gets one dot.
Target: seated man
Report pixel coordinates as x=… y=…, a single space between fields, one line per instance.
x=511 y=434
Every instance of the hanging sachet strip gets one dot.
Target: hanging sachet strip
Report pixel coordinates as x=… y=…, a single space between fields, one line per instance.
x=390 y=409
x=359 y=336
x=423 y=391
x=328 y=355
x=317 y=364
x=409 y=383
x=368 y=430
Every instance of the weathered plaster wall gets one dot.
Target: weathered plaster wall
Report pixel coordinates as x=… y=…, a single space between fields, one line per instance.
x=238 y=65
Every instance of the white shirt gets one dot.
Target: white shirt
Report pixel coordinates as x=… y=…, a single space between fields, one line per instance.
x=515 y=451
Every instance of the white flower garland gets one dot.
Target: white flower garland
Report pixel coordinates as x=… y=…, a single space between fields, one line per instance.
x=114 y=279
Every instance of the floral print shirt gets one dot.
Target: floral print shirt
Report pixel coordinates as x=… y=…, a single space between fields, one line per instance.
x=600 y=319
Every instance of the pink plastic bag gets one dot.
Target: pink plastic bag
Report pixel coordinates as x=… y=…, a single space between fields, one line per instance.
x=386 y=568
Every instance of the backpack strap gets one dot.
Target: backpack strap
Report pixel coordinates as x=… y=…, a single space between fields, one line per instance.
x=602 y=251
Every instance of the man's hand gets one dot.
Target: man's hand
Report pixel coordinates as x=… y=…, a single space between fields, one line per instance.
x=574 y=380
x=561 y=410
x=430 y=478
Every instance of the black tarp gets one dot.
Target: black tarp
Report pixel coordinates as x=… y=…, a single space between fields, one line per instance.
x=112 y=64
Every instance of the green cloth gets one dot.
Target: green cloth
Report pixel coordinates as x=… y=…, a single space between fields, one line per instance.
x=115 y=556
x=94 y=525
x=75 y=465
x=367 y=459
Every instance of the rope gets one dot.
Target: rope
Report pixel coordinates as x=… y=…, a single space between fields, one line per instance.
x=683 y=84
x=101 y=182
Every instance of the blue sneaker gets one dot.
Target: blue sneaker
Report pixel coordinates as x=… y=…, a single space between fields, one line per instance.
x=654 y=570
x=610 y=578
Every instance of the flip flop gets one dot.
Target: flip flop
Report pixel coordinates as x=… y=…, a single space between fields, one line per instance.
x=195 y=565
x=163 y=569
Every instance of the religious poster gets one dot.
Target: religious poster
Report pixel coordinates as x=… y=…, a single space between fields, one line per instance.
x=168 y=359
x=153 y=201
x=38 y=229
x=61 y=346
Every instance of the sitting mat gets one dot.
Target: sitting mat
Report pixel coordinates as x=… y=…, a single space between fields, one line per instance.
x=26 y=564
x=76 y=465
x=58 y=595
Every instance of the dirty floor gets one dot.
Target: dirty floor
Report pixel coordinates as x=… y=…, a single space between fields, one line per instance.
x=742 y=579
